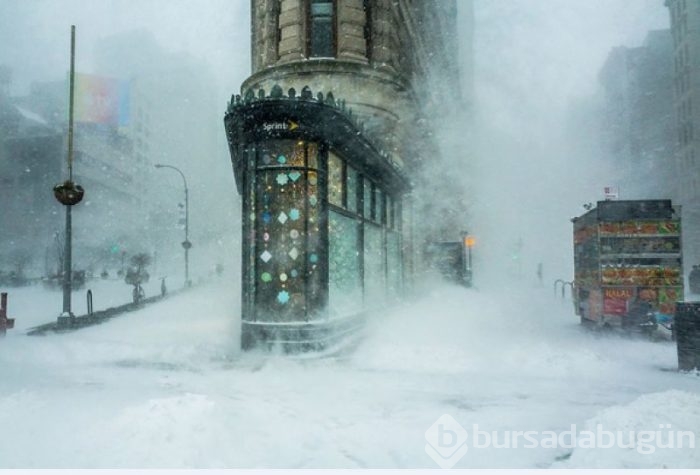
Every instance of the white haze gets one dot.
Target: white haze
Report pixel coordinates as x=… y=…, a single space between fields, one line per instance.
x=535 y=62
x=166 y=387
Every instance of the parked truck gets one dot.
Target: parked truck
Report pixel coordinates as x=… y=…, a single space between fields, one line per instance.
x=628 y=264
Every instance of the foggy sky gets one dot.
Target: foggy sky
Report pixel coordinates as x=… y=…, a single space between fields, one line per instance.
x=35 y=34
x=535 y=60
x=570 y=36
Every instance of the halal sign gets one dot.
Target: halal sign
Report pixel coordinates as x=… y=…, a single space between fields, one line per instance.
x=288 y=125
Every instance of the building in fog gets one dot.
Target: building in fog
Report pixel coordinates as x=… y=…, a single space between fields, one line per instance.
x=173 y=98
x=335 y=152
x=637 y=128
x=685 y=28
x=166 y=101
x=33 y=160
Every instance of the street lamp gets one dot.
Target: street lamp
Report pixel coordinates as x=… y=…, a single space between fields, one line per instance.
x=69 y=193
x=186 y=244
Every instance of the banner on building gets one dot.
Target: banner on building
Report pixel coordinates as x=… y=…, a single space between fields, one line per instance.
x=101 y=100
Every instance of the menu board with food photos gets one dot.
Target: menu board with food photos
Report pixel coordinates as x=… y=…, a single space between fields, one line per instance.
x=640 y=227
x=641 y=276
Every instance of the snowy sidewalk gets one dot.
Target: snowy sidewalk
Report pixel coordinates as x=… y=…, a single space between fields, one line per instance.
x=167 y=387
x=37 y=305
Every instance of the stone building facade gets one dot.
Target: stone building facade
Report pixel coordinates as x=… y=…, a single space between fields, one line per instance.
x=330 y=139
x=685 y=29
x=380 y=60
x=637 y=127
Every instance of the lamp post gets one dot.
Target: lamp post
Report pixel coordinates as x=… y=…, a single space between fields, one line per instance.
x=186 y=244
x=69 y=193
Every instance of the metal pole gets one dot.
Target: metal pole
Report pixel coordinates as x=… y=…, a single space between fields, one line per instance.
x=67 y=261
x=187 y=234
x=67 y=265
x=70 y=103
x=185 y=244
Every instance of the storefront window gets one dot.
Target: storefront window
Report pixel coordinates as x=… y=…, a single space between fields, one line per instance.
x=291 y=258
x=389 y=212
x=314 y=257
x=367 y=199
x=282 y=153
x=394 y=266
x=379 y=206
x=344 y=276
x=312 y=154
x=375 y=289
x=280 y=289
x=286 y=233
x=351 y=187
x=335 y=180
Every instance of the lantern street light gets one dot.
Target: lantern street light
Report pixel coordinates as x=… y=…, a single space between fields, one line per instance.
x=186 y=244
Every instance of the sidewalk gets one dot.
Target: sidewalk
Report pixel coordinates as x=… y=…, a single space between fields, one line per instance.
x=37 y=305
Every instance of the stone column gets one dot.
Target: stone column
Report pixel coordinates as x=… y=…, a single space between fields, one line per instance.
x=382 y=32
x=264 y=34
x=351 y=31
x=292 y=25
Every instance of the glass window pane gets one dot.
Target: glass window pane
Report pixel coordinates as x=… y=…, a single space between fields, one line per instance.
x=367 y=199
x=394 y=264
x=344 y=277
x=282 y=153
x=313 y=155
x=398 y=225
x=322 y=8
x=378 y=205
x=280 y=287
x=314 y=277
x=321 y=37
x=374 y=266
x=389 y=212
x=335 y=179
x=352 y=182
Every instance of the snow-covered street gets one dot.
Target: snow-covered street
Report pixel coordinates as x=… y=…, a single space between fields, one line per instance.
x=166 y=387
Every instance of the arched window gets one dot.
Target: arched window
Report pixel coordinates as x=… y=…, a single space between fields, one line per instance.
x=321 y=27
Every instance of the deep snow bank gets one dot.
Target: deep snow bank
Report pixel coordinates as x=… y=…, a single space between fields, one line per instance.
x=657 y=431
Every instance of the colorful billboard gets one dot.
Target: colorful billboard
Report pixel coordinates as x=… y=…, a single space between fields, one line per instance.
x=101 y=100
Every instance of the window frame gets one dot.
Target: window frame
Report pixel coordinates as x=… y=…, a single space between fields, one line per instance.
x=367 y=32
x=309 y=30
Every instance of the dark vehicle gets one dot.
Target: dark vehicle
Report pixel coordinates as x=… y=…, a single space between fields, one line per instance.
x=640 y=318
x=628 y=267
x=452 y=259
x=694 y=280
